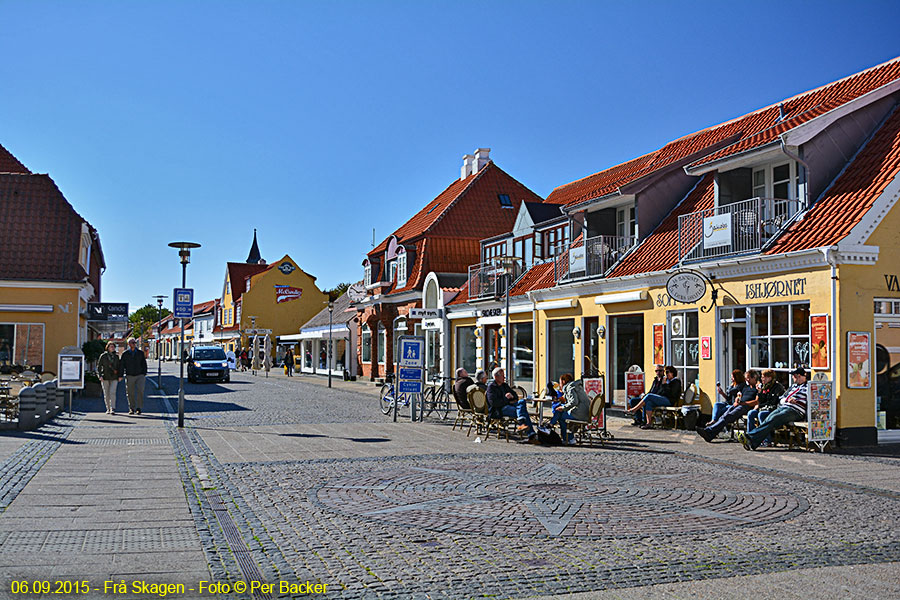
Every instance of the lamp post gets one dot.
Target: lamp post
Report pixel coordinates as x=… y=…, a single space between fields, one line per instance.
x=184 y=253
x=159 y=303
x=330 y=343
x=508 y=264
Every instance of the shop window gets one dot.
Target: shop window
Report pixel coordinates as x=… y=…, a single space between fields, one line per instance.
x=684 y=343
x=562 y=347
x=366 y=344
x=779 y=337
x=523 y=351
x=22 y=345
x=340 y=351
x=465 y=348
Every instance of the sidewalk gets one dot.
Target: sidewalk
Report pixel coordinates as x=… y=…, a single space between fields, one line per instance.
x=107 y=505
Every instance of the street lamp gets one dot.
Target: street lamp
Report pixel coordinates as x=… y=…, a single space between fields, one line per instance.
x=509 y=266
x=184 y=253
x=159 y=303
x=330 y=343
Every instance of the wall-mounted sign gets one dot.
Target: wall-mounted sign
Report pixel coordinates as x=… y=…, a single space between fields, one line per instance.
x=491 y=312
x=892 y=283
x=286 y=268
x=659 y=344
x=859 y=361
x=818 y=338
x=776 y=289
x=706 y=347
x=677 y=325
x=425 y=313
x=107 y=311
x=686 y=287
x=717 y=231
x=285 y=293
x=576 y=259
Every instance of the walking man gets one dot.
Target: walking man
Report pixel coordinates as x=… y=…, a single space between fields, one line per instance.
x=133 y=365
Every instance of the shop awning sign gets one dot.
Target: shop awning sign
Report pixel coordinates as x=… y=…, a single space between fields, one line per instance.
x=717 y=231
x=686 y=287
x=107 y=311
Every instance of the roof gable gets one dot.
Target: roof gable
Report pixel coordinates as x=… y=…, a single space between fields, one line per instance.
x=11 y=164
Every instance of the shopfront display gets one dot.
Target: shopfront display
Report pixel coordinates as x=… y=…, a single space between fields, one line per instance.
x=465 y=349
x=22 y=345
x=561 y=342
x=684 y=337
x=523 y=352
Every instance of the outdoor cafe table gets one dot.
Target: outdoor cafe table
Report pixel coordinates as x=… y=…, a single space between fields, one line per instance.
x=538 y=404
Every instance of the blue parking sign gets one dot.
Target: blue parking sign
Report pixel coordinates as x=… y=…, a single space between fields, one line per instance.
x=183 y=305
x=412 y=351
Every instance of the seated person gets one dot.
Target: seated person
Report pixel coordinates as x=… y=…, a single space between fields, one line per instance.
x=769 y=393
x=744 y=401
x=461 y=387
x=791 y=407
x=669 y=396
x=481 y=379
x=576 y=406
x=655 y=388
x=503 y=402
x=737 y=384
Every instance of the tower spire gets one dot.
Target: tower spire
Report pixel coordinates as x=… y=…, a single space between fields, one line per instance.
x=254 y=256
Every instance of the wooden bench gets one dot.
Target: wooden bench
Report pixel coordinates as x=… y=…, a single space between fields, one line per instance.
x=672 y=415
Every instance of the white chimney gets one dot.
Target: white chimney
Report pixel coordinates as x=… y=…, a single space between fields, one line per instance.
x=482 y=157
x=466 y=168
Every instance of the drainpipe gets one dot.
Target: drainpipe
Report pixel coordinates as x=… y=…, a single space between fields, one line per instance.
x=805 y=166
x=534 y=342
x=829 y=258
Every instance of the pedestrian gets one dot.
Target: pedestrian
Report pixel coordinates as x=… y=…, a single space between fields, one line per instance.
x=245 y=359
x=289 y=362
x=792 y=407
x=133 y=365
x=108 y=368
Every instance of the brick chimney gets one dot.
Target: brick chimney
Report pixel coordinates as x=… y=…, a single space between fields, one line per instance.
x=482 y=157
x=466 y=168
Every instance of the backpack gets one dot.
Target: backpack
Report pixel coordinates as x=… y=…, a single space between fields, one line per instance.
x=549 y=437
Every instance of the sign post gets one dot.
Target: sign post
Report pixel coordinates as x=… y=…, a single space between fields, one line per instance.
x=410 y=371
x=70 y=366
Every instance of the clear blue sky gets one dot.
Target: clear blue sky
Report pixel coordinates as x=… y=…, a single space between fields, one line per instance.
x=316 y=121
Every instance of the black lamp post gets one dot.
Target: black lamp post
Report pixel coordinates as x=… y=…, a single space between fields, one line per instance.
x=184 y=253
x=159 y=303
x=508 y=264
x=330 y=343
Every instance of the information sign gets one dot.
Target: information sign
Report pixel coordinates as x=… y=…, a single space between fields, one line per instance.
x=70 y=366
x=409 y=387
x=820 y=410
x=412 y=351
x=717 y=231
x=425 y=313
x=183 y=300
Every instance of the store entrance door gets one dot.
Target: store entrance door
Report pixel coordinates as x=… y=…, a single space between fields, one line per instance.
x=887 y=373
x=491 y=348
x=734 y=350
x=627 y=345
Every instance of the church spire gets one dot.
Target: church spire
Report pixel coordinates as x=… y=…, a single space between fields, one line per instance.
x=254 y=256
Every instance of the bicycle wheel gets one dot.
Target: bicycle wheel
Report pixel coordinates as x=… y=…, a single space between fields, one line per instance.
x=427 y=402
x=441 y=404
x=386 y=398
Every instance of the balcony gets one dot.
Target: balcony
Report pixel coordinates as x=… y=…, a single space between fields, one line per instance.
x=590 y=257
x=738 y=228
x=488 y=280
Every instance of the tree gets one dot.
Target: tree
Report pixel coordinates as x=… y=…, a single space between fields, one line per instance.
x=337 y=291
x=143 y=318
x=92 y=350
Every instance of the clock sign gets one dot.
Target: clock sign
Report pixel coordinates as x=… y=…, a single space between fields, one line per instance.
x=286 y=268
x=686 y=287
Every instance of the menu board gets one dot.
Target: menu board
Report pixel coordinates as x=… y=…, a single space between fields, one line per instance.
x=593 y=387
x=859 y=360
x=818 y=339
x=634 y=384
x=820 y=410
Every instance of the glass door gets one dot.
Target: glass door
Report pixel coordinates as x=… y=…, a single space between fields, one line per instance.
x=492 y=348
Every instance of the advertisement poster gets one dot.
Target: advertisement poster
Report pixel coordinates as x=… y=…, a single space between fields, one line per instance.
x=820 y=406
x=717 y=231
x=284 y=293
x=593 y=387
x=706 y=347
x=818 y=340
x=859 y=362
x=659 y=344
x=634 y=384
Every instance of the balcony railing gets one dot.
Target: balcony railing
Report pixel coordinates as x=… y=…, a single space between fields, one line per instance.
x=590 y=257
x=488 y=280
x=737 y=228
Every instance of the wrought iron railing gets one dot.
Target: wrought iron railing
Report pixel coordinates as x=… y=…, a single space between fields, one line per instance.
x=589 y=257
x=489 y=279
x=736 y=228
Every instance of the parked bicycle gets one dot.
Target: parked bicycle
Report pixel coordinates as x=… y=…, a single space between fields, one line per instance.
x=436 y=397
x=388 y=396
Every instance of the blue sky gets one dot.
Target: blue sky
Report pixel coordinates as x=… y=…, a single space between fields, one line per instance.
x=316 y=122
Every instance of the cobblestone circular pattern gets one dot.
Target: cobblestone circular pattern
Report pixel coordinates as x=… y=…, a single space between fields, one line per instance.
x=517 y=499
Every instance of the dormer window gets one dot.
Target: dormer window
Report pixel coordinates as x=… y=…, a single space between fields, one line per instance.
x=400 y=265
x=625 y=221
x=392 y=270
x=505 y=202
x=367 y=268
x=775 y=181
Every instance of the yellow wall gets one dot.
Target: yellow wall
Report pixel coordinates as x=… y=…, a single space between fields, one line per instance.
x=60 y=327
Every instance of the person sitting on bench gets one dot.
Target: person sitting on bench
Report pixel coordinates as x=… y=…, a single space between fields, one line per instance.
x=656 y=387
x=671 y=394
x=744 y=401
x=792 y=407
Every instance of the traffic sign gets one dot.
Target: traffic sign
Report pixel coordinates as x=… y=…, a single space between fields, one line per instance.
x=411 y=373
x=412 y=351
x=183 y=303
x=409 y=387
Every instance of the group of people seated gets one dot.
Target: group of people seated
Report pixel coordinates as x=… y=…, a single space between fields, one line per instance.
x=572 y=401
x=664 y=391
x=750 y=394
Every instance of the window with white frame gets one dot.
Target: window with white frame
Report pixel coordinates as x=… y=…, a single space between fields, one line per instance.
x=776 y=181
x=366 y=343
x=401 y=268
x=625 y=221
x=367 y=269
x=684 y=344
x=779 y=337
x=392 y=270
x=382 y=342
x=239 y=313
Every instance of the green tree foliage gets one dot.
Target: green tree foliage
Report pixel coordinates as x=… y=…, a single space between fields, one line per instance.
x=92 y=350
x=337 y=291
x=143 y=318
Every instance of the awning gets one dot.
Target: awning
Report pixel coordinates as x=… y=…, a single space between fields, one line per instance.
x=321 y=333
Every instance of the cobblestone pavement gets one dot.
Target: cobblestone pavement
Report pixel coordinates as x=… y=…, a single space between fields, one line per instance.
x=282 y=480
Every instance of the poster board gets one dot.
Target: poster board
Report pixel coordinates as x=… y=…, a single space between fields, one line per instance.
x=820 y=346
x=70 y=367
x=659 y=344
x=593 y=386
x=820 y=410
x=859 y=360
x=634 y=382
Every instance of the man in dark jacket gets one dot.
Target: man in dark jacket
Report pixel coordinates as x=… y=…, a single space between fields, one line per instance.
x=503 y=402
x=133 y=365
x=670 y=395
x=461 y=388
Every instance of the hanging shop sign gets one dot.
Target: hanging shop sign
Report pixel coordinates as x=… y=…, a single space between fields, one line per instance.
x=659 y=344
x=286 y=293
x=818 y=338
x=776 y=289
x=820 y=410
x=859 y=361
x=107 y=311
x=717 y=231
x=425 y=313
x=686 y=287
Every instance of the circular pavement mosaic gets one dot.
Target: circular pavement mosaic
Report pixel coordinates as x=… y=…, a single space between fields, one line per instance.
x=589 y=499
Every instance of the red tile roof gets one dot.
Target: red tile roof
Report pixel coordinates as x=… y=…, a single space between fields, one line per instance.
x=462 y=297
x=11 y=164
x=238 y=273
x=853 y=193
x=40 y=232
x=538 y=277
x=204 y=307
x=659 y=251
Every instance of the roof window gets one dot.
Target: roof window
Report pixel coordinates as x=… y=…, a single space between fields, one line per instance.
x=505 y=202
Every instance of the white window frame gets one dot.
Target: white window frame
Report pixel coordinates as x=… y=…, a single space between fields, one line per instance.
x=401 y=268
x=625 y=220
x=367 y=270
x=769 y=185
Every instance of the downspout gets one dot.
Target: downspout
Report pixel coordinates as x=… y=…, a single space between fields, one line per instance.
x=829 y=258
x=534 y=343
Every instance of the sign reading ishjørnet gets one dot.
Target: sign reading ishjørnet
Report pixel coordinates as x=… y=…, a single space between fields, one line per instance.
x=717 y=231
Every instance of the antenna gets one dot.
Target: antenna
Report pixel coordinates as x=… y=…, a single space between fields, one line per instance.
x=373 y=237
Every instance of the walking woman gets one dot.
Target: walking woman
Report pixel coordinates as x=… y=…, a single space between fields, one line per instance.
x=108 y=369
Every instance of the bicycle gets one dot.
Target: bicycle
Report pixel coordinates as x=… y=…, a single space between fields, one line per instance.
x=387 y=397
x=436 y=398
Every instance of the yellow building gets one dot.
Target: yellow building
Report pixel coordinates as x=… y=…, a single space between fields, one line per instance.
x=50 y=267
